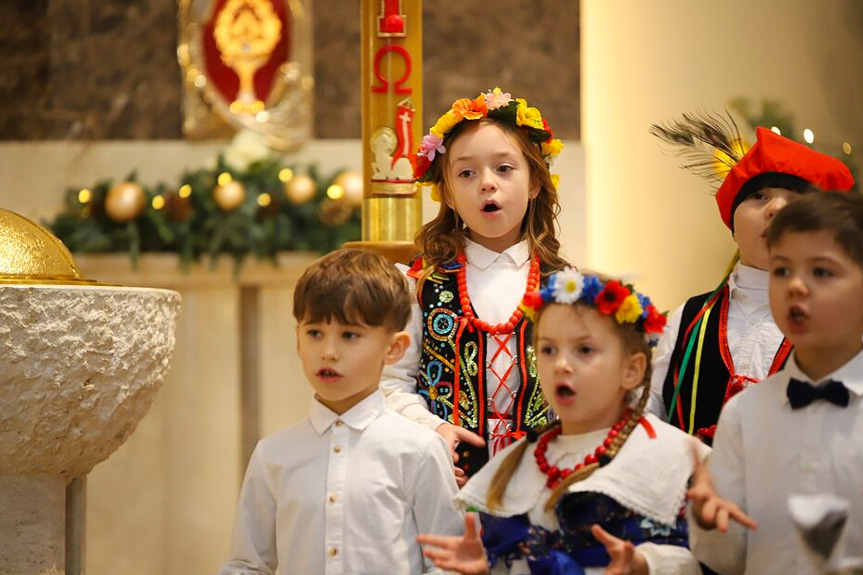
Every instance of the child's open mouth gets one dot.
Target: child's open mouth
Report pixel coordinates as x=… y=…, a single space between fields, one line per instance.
x=796 y=316
x=564 y=393
x=490 y=208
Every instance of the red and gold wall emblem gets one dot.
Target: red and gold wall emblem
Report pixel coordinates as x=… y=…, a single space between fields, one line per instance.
x=247 y=65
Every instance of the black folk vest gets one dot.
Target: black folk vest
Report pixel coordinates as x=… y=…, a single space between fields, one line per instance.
x=452 y=371
x=716 y=384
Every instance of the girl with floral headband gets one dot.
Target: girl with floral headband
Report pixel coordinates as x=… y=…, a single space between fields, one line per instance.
x=600 y=490
x=470 y=374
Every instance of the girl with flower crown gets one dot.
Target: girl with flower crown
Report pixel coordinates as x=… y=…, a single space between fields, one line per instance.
x=470 y=374
x=601 y=489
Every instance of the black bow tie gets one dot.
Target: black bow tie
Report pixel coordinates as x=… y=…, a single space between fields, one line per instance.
x=802 y=393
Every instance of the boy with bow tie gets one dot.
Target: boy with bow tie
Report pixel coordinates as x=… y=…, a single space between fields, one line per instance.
x=801 y=430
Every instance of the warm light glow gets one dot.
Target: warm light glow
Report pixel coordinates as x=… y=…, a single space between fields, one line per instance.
x=262 y=117
x=200 y=81
x=286 y=174
x=335 y=192
x=84 y=196
x=808 y=135
x=776 y=131
x=264 y=200
x=185 y=191
x=158 y=202
x=846 y=147
x=224 y=179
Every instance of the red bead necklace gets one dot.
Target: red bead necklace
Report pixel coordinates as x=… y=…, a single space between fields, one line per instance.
x=555 y=474
x=466 y=311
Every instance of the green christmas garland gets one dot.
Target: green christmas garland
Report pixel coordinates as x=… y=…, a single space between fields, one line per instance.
x=268 y=213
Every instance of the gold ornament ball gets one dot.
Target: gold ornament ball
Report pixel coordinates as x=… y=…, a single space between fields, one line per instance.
x=352 y=184
x=300 y=189
x=125 y=202
x=229 y=196
x=334 y=213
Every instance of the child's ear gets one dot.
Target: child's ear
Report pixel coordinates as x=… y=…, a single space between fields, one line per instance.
x=445 y=198
x=398 y=346
x=633 y=373
x=533 y=192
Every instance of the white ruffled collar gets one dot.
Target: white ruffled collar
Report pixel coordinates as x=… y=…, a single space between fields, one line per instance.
x=648 y=476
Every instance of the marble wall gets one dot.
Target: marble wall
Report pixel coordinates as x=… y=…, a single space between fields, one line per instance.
x=107 y=69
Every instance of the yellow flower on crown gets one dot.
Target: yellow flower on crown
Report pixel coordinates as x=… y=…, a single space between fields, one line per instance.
x=446 y=123
x=527 y=116
x=551 y=148
x=435 y=193
x=630 y=310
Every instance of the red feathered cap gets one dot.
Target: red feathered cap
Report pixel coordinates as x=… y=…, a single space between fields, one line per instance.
x=773 y=153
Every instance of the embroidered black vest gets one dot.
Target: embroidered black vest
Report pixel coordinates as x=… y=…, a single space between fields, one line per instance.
x=715 y=382
x=452 y=369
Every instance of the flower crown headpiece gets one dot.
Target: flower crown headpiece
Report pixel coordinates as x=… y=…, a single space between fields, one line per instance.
x=494 y=104
x=611 y=298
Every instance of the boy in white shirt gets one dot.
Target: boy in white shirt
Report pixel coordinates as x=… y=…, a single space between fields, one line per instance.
x=801 y=430
x=348 y=489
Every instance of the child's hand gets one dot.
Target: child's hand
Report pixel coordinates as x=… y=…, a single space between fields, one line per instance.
x=455 y=435
x=710 y=510
x=464 y=554
x=625 y=560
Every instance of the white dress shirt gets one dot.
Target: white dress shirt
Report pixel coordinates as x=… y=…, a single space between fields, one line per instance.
x=648 y=476
x=753 y=338
x=344 y=494
x=764 y=452
x=496 y=283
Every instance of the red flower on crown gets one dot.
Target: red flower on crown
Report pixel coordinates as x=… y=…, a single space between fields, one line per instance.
x=421 y=164
x=612 y=295
x=547 y=129
x=655 y=321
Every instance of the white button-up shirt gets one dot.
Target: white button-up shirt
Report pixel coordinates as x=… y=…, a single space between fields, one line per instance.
x=753 y=337
x=344 y=494
x=764 y=452
x=496 y=283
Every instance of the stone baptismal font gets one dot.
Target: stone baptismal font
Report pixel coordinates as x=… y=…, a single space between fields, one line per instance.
x=80 y=365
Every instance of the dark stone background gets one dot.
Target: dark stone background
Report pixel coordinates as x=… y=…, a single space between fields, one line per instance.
x=107 y=69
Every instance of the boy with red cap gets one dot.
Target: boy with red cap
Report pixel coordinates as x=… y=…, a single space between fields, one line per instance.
x=718 y=343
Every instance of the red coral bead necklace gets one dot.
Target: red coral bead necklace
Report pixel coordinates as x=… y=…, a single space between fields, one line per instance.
x=467 y=312
x=553 y=473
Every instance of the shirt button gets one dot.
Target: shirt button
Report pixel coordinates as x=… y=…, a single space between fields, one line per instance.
x=338 y=423
x=333 y=498
x=334 y=551
x=337 y=449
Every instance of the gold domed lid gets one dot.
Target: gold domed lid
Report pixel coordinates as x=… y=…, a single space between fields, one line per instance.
x=31 y=254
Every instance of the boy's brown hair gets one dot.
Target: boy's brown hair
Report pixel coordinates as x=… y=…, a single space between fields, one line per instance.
x=839 y=213
x=354 y=287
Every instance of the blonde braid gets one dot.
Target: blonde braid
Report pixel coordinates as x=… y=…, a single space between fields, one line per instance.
x=508 y=466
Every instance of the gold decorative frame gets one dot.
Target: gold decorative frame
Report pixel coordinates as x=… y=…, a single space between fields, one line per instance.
x=285 y=117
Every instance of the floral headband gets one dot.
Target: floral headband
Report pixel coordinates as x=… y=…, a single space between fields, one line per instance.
x=612 y=298
x=494 y=104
